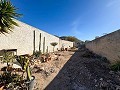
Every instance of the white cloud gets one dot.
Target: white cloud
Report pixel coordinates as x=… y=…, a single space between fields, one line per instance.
x=112 y=3
x=75 y=27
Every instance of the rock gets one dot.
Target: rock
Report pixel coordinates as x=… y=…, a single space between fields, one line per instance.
x=95 y=80
x=118 y=73
x=104 y=85
x=111 y=72
x=47 y=74
x=52 y=70
x=101 y=79
x=42 y=68
x=108 y=81
x=75 y=86
x=96 y=85
x=117 y=87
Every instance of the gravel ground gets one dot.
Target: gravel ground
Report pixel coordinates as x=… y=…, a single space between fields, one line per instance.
x=81 y=73
x=75 y=70
x=46 y=72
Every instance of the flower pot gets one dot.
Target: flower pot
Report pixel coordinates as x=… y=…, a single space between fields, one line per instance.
x=31 y=83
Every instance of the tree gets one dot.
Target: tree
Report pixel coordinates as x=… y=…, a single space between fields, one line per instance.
x=70 y=38
x=7 y=15
x=54 y=44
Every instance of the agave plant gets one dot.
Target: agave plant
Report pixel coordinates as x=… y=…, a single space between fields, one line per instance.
x=7 y=15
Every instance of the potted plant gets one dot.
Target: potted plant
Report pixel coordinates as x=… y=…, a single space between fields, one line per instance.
x=24 y=62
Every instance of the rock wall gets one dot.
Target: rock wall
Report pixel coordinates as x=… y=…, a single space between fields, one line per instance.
x=107 y=46
x=22 y=39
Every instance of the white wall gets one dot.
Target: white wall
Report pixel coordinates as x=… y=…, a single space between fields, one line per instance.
x=107 y=46
x=22 y=39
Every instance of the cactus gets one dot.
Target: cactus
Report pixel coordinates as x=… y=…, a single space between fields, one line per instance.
x=24 y=62
x=47 y=49
x=44 y=45
x=40 y=43
x=29 y=77
x=33 y=41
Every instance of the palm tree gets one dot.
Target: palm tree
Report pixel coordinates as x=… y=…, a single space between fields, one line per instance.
x=7 y=15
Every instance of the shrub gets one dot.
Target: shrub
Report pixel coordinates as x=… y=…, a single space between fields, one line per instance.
x=37 y=54
x=73 y=48
x=54 y=44
x=116 y=66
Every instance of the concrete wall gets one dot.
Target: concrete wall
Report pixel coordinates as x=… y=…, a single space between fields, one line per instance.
x=108 y=46
x=22 y=39
x=66 y=44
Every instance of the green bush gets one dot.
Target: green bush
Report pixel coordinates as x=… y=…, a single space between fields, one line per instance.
x=73 y=48
x=37 y=54
x=116 y=66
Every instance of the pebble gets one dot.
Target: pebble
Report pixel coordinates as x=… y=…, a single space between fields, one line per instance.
x=96 y=85
x=118 y=73
x=111 y=72
x=103 y=84
x=95 y=80
x=101 y=79
x=108 y=80
x=42 y=68
x=117 y=87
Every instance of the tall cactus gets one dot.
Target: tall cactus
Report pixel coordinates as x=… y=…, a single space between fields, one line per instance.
x=47 y=49
x=44 y=45
x=40 y=43
x=33 y=41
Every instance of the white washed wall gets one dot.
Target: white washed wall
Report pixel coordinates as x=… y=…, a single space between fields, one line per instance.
x=22 y=39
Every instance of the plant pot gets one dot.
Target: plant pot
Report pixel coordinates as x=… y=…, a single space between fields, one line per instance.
x=31 y=83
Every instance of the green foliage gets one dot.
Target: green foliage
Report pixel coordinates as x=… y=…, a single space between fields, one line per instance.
x=8 y=57
x=8 y=77
x=116 y=66
x=54 y=43
x=12 y=81
x=73 y=48
x=7 y=13
x=37 y=54
x=24 y=61
x=70 y=38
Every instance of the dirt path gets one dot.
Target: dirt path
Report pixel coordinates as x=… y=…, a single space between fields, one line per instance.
x=49 y=70
x=75 y=72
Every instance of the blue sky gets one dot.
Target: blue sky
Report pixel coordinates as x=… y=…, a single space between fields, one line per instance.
x=84 y=19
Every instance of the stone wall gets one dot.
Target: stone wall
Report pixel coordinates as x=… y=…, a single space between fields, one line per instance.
x=22 y=39
x=107 y=46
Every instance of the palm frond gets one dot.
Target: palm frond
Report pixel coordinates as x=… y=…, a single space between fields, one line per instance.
x=7 y=13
